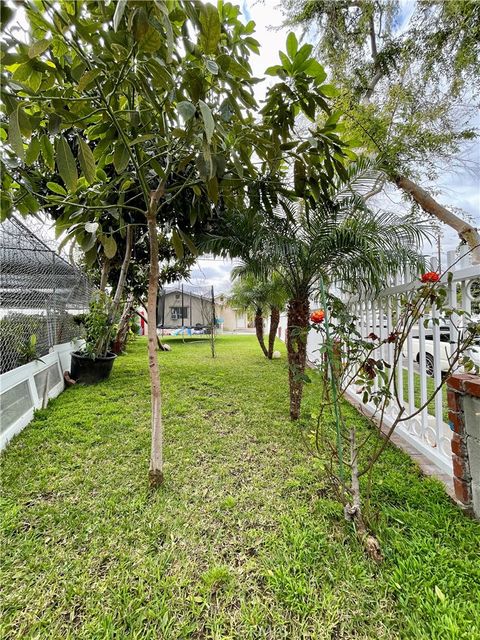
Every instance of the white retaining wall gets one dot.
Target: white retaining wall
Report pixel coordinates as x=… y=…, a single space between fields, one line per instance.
x=24 y=389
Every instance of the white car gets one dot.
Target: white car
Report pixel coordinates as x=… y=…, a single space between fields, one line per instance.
x=473 y=352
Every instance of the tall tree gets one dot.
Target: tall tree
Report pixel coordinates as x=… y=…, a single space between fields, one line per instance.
x=257 y=296
x=125 y=107
x=337 y=239
x=405 y=82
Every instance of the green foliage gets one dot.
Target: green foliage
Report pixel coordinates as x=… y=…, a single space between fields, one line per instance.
x=401 y=87
x=251 y=293
x=118 y=99
x=28 y=350
x=278 y=560
x=99 y=330
x=20 y=337
x=337 y=237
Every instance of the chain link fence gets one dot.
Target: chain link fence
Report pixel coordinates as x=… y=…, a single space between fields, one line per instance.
x=40 y=295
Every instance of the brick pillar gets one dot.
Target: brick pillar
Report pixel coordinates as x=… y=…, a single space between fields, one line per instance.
x=463 y=392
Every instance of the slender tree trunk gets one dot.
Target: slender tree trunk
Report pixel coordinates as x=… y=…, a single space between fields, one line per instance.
x=104 y=274
x=103 y=343
x=259 y=331
x=155 y=475
x=124 y=269
x=274 y=322
x=353 y=511
x=466 y=231
x=122 y=332
x=297 y=332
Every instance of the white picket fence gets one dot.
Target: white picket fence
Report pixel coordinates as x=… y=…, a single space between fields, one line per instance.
x=421 y=364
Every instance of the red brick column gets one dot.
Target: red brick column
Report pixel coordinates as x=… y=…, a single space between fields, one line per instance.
x=463 y=392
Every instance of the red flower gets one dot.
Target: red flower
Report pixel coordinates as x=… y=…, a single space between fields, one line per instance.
x=317 y=316
x=430 y=276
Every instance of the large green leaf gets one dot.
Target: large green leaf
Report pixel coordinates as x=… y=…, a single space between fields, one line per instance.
x=38 y=48
x=329 y=90
x=87 y=161
x=66 y=164
x=109 y=246
x=151 y=41
x=14 y=134
x=210 y=28
x=88 y=77
x=292 y=45
x=177 y=244
x=47 y=152
x=56 y=188
x=117 y=16
x=120 y=157
x=5 y=206
x=186 y=109
x=32 y=151
x=24 y=123
x=208 y=121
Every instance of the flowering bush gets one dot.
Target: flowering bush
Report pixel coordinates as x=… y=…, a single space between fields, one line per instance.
x=430 y=276
x=317 y=316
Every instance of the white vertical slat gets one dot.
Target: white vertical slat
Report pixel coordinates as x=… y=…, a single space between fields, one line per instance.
x=437 y=377
x=466 y=300
x=423 y=374
x=389 y=329
x=452 y=301
x=380 y=331
x=400 y=355
x=374 y=330
x=410 y=372
x=360 y=319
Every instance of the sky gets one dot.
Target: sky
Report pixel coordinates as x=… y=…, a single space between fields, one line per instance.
x=456 y=189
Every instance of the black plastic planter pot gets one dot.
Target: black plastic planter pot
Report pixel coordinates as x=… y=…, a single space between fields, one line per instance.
x=88 y=371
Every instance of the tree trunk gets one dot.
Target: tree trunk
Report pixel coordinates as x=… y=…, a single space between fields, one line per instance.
x=104 y=274
x=155 y=475
x=297 y=332
x=122 y=332
x=353 y=511
x=103 y=343
x=259 y=331
x=274 y=322
x=124 y=269
x=465 y=230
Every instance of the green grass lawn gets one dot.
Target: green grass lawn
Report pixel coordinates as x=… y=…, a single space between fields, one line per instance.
x=242 y=542
x=430 y=389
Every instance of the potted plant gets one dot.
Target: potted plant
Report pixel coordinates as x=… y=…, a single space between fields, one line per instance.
x=95 y=361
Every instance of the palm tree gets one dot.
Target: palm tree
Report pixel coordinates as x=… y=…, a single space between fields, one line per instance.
x=253 y=294
x=248 y=296
x=335 y=239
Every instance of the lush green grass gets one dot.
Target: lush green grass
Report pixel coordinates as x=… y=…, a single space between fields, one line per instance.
x=242 y=542
x=430 y=389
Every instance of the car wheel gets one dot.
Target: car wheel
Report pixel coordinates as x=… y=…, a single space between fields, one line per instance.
x=429 y=364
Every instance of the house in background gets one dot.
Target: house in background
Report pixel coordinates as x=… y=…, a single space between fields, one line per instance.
x=177 y=308
x=233 y=320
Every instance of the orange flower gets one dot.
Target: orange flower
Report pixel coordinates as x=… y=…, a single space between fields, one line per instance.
x=317 y=316
x=430 y=276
